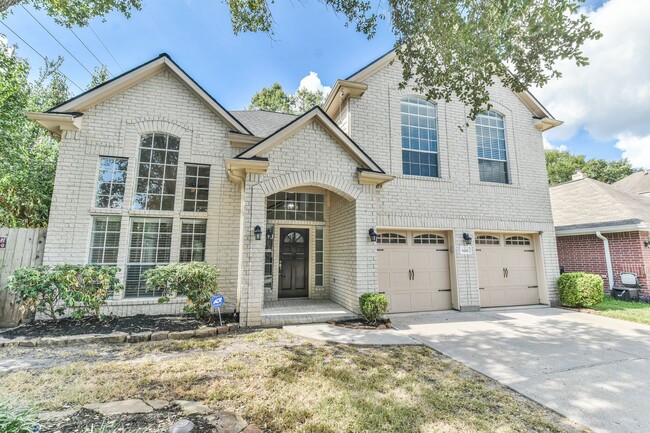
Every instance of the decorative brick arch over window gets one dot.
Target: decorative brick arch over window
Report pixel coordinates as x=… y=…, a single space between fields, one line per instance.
x=320 y=179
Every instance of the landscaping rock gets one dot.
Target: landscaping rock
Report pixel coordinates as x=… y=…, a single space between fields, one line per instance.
x=222 y=329
x=252 y=428
x=115 y=337
x=228 y=422
x=157 y=404
x=182 y=426
x=159 y=336
x=193 y=408
x=14 y=342
x=2 y=341
x=206 y=332
x=46 y=416
x=54 y=341
x=28 y=343
x=139 y=337
x=182 y=335
x=233 y=326
x=120 y=407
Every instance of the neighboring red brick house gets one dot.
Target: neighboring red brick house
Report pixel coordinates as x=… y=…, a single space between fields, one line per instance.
x=592 y=218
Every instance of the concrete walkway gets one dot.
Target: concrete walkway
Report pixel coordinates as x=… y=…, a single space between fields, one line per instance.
x=358 y=337
x=591 y=369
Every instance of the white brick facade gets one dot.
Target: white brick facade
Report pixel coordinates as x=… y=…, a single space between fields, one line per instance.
x=311 y=159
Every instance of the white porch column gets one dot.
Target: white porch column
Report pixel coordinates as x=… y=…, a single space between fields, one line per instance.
x=250 y=281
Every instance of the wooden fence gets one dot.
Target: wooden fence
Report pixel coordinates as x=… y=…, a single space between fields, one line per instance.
x=22 y=248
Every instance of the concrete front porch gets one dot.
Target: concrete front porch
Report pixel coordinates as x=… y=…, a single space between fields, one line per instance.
x=297 y=311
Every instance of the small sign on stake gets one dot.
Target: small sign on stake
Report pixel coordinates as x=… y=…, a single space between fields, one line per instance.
x=217 y=302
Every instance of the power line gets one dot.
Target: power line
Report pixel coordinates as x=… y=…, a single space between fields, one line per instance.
x=54 y=37
x=91 y=52
x=41 y=55
x=105 y=47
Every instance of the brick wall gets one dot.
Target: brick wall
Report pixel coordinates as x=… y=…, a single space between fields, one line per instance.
x=586 y=253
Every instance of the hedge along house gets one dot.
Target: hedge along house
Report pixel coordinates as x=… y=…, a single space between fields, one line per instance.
x=378 y=191
x=602 y=229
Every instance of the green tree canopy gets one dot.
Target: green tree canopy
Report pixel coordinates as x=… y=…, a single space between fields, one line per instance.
x=76 y=12
x=275 y=98
x=561 y=165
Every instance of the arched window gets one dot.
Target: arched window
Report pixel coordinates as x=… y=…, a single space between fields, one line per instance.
x=487 y=240
x=419 y=137
x=390 y=238
x=428 y=239
x=517 y=240
x=157 y=169
x=491 y=142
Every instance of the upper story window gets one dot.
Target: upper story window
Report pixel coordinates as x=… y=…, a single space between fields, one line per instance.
x=197 y=183
x=110 y=182
x=491 y=141
x=157 y=168
x=419 y=137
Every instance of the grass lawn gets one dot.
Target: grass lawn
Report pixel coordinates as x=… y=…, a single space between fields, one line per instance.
x=631 y=311
x=281 y=383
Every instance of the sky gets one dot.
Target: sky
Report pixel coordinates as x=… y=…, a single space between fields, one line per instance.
x=605 y=106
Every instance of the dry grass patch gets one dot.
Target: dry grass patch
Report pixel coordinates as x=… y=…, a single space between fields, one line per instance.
x=290 y=385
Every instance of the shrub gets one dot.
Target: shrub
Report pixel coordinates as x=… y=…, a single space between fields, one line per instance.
x=578 y=289
x=53 y=290
x=16 y=420
x=196 y=280
x=373 y=306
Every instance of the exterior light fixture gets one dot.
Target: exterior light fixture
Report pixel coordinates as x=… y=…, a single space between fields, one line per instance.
x=258 y=233
x=467 y=238
x=373 y=235
x=647 y=244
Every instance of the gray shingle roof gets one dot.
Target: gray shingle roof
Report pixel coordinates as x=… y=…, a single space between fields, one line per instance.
x=638 y=183
x=262 y=123
x=589 y=203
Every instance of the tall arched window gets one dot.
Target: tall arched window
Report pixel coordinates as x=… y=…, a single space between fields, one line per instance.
x=491 y=142
x=419 y=137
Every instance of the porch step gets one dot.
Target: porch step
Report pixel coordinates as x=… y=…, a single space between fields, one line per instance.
x=299 y=311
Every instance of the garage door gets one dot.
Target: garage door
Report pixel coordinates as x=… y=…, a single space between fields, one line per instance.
x=507 y=274
x=414 y=271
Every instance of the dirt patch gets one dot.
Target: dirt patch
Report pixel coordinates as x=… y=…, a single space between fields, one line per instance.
x=132 y=324
x=361 y=324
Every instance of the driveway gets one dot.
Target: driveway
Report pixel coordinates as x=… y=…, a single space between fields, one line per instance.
x=592 y=369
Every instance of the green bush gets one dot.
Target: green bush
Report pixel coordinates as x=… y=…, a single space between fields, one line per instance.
x=196 y=280
x=579 y=289
x=53 y=290
x=373 y=306
x=16 y=420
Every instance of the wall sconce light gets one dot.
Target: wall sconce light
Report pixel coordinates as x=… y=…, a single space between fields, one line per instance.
x=258 y=233
x=269 y=234
x=373 y=235
x=647 y=244
x=467 y=238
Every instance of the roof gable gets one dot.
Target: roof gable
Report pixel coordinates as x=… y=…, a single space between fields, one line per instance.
x=316 y=114
x=137 y=75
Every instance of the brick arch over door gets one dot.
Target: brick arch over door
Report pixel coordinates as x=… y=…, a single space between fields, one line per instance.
x=311 y=178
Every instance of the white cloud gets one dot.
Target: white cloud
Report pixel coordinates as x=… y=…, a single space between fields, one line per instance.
x=635 y=148
x=549 y=146
x=610 y=98
x=312 y=83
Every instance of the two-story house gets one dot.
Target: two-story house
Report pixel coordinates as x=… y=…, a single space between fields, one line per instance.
x=379 y=191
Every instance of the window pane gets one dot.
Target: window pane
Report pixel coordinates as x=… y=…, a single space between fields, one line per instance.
x=105 y=240
x=193 y=237
x=149 y=245
x=419 y=137
x=491 y=150
x=295 y=206
x=110 y=182
x=319 y=266
x=157 y=169
x=197 y=181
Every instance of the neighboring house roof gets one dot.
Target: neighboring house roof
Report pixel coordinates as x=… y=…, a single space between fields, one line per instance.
x=125 y=81
x=638 y=183
x=262 y=123
x=545 y=118
x=586 y=205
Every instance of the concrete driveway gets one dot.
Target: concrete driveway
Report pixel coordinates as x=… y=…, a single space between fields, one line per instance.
x=591 y=369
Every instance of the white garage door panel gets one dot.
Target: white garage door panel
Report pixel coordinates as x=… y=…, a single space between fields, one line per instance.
x=430 y=287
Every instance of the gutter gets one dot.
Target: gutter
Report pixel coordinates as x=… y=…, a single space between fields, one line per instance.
x=608 y=260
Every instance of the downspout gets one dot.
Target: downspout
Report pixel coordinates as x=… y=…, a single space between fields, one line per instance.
x=608 y=260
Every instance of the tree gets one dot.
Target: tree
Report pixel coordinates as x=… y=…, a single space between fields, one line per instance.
x=447 y=49
x=561 y=165
x=100 y=76
x=274 y=98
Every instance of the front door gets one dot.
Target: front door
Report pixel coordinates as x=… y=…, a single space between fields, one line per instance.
x=294 y=263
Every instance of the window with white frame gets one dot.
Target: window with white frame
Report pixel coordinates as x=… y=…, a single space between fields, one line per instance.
x=491 y=142
x=295 y=206
x=105 y=240
x=428 y=239
x=487 y=240
x=319 y=262
x=517 y=240
x=111 y=182
x=419 y=137
x=390 y=238
x=150 y=246
x=157 y=170
x=268 y=257
x=193 y=234
x=197 y=184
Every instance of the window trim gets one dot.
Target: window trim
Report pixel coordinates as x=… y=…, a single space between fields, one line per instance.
x=91 y=247
x=386 y=237
x=148 y=177
x=193 y=234
x=483 y=240
x=506 y=161
x=405 y=99
x=97 y=183
x=207 y=189
x=517 y=241
x=128 y=263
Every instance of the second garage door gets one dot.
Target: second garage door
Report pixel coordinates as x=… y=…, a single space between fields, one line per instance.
x=414 y=271
x=507 y=273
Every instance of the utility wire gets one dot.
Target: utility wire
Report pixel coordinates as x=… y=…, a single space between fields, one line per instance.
x=91 y=52
x=54 y=37
x=41 y=55
x=105 y=47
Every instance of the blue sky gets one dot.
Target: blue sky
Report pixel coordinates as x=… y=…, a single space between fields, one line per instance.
x=198 y=36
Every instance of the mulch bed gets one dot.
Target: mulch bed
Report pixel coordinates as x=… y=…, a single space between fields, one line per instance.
x=360 y=324
x=132 y=324
x=154 y=422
